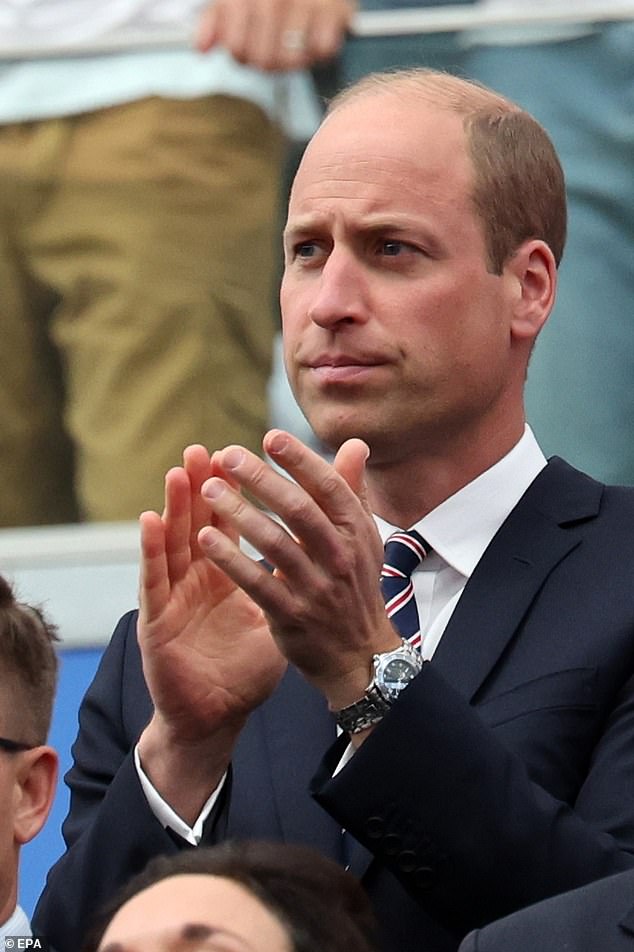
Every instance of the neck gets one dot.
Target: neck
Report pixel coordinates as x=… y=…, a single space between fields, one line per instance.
x=8 y=903
x=402 y=491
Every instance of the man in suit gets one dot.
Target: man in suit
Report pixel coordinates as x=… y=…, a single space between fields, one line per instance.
x=28 y=766
x=485 y=764
x=593 y=917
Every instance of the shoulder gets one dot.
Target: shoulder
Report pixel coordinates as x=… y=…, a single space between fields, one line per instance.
x=597 y=915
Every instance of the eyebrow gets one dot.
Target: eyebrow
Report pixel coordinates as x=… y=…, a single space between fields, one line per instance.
x=196 y=930
x=399 y=224
x=190 y=932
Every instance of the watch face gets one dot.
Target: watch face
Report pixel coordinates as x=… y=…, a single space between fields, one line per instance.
x=396 y=674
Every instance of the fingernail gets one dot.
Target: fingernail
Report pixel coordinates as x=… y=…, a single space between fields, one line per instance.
x=277 y=443
x=213 y=488
x=233 y=458
x=207 y=538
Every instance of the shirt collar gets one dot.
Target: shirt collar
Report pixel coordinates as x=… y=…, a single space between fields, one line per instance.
x=16 y=925
x=461 y=527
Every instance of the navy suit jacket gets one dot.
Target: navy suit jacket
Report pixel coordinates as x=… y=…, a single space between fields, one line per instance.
x=594 y=918
x=502 y=775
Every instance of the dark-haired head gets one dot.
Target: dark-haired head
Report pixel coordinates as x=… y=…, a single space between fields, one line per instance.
x=320 y=907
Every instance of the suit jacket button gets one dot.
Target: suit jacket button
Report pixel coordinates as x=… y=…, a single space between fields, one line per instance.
x=391 y=844
x=424 y=877
x=375 y=826
x=407 y=861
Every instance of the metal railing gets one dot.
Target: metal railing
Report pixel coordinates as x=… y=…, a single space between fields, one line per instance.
x=369 y=23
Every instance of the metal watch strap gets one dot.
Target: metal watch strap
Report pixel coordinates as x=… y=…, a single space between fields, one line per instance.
x=371 y=709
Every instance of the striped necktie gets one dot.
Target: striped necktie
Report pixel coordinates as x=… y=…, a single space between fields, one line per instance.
x=404 y=552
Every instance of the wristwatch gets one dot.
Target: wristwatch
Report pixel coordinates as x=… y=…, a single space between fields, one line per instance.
x=393 y=671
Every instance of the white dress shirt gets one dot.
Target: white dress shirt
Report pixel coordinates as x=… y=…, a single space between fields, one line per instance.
x=16 y=925
x=458 y=530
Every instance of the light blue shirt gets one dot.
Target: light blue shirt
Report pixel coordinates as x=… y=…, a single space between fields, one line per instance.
x=64 y=57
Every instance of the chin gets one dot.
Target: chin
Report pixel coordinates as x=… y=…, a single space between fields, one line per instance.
x=333 y=432
x=334 y=429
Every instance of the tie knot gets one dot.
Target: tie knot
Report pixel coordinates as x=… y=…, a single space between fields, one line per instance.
x=404 y=551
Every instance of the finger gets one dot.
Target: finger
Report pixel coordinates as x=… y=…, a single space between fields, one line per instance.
x=350 y=463
x=197 y=466
x=280 y=34
x=294 y=506
x=267 y=49
x=264 y=533
x=323 y=513
x=269 y=591
x=329 y=488
x=207 y=29
x=237 y=29
x=154 y=584
x=293 y=41
x=223 y=524
x=328 y=28
x=177 y=523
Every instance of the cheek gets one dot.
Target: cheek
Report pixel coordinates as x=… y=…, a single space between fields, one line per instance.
x=292 y=301
x=290 y=339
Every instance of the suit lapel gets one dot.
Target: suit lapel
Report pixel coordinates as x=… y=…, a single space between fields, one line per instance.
x=536 y=536
x=511 y=571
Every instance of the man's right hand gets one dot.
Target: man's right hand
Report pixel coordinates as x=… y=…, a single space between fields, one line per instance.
x=208 y=656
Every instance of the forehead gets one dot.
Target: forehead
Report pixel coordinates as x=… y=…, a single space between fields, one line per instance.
x=381 y=153
x=237 y=921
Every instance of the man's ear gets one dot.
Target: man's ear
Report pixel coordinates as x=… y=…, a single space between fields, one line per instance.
x=35 y=783
x=534 y=274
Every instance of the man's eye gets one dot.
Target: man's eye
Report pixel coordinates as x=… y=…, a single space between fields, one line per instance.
x=307 y=249
x=393 y=248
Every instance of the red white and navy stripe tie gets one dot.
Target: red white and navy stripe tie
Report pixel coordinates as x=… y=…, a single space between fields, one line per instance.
x=404 y=552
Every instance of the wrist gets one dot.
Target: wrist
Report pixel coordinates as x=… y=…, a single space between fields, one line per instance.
x=394 y=670
x=166 y=759
x=350 y=685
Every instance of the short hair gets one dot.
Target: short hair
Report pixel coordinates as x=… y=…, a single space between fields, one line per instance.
x=321 y=906
x=518 y=189
x=28 y=666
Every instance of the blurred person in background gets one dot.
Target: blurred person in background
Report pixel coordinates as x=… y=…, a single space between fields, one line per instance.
x=28 y=766
x=577 y=79
x=139 y=187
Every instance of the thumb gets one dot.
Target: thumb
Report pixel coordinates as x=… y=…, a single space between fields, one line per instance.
x=350 y=464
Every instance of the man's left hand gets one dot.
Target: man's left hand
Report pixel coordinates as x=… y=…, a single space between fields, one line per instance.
x=323 y=600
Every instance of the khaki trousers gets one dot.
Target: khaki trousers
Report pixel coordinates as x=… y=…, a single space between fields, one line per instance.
x=138 y=250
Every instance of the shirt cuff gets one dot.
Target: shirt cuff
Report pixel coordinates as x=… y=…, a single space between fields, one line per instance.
x=164 y=813
x=346 y=757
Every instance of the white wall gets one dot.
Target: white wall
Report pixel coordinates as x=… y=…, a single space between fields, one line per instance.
x=85 y=576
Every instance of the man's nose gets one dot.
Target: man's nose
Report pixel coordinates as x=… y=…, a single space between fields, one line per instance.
x=341 y=294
